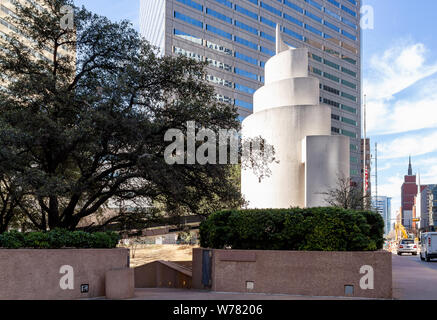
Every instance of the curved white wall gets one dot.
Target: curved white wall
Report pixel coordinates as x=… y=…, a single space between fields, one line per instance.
x=287 y=92
x=284 y=128
x=287 y=64
x=287 y=115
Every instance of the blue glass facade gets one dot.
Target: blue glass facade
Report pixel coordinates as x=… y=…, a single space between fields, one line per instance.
x=383 y=206
x=237 y=37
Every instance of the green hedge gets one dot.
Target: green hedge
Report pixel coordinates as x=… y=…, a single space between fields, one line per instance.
x=315 y=229
x=57 y=239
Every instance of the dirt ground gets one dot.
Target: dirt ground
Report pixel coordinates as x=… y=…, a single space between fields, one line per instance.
x=148 y=253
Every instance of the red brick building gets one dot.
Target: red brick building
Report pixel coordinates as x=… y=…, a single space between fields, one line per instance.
x=408 y=193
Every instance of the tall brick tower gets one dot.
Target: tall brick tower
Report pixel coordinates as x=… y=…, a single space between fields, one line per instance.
x=408 y=192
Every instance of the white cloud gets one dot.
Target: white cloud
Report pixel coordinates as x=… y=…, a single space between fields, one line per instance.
x=415 y=145
x=425 y=162
x=414 y=113
x=397 y=69
x=386 y=166
x=392 y=188
x=430 y=175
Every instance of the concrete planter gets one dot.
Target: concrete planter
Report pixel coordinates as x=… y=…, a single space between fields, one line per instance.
x=57 y=274
x=120 y=284
x=331 y=274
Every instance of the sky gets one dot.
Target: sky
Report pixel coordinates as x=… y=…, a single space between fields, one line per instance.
x=400 y=82
x=399 y=70
x=114 y=9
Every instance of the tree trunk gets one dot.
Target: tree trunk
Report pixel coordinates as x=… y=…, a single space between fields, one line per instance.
x=53 y=214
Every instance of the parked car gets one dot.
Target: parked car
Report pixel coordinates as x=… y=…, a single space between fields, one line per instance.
x=428 y=248
x=407 y=246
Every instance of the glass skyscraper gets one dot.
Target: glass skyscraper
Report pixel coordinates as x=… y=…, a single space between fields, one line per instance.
x=237 y=37
x=382 y=204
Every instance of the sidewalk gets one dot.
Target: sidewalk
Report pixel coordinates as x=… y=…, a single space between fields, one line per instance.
x=181 y=294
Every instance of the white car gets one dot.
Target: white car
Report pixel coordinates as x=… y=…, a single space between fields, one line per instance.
x=428 y=248
x=407 y=246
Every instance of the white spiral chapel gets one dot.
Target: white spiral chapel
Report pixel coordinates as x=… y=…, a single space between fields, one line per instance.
x=288 y=115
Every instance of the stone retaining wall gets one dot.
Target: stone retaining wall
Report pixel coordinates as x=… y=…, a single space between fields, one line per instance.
x=336 y=274
x=57 y=274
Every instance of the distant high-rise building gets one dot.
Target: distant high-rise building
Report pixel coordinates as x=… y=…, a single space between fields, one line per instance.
x=432 y=208
x=424 y=206
x=408 y=192
x=7 y=29
x=421 y=206
x=237 y=37
x=411 y=208
x=383 y=205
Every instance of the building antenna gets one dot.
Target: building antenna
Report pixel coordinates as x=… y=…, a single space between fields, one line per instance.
x=364 y=155
x=376 y=171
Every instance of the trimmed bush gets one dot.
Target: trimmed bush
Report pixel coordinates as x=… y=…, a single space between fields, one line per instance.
x=315 y=229
x=57 y=239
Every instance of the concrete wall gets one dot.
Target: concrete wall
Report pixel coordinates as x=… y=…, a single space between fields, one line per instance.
x=296 y=272
x=156 y=232
x=197 y=269
x=326 y=159
x=35 y=274
x=284 y=128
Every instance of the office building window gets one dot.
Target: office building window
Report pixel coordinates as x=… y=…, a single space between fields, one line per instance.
x=268 y=36
x=293 y=34
x=243 y=57
x=349 y=84
x=186 y=36
x=244 y=89
x=350 y=11
x=348 y=133
x=268 y=22
x=271 y=9
x=313 y=16
x=219 y=64
x=349 y=96
x=348 y=121
x=314 y=4
x=293 y=6
x=349 y=109
x=218 y=15
x=244 y=104
x=218 y=48
x=246 y=43
x=246 y=74
x=246 y=12
x=293 y=20
x=267 y=51
x=218 y=31
x=314 y=30
x=188 y=19
x=246 y=27
x=192 y=4
x=225 y=3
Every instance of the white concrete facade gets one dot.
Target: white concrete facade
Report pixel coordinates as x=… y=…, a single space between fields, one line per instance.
x=288 y=116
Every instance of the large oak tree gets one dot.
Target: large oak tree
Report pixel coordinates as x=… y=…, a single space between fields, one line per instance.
x=79 y=129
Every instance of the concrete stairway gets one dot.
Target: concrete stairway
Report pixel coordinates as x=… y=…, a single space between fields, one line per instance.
x=164 y=274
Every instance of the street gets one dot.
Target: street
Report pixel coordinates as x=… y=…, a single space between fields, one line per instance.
x=414 y=279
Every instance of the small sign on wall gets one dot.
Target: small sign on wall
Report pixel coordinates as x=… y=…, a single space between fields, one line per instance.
x=84 y=288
